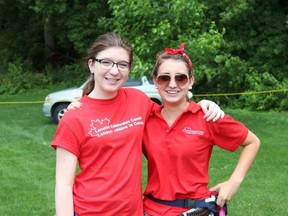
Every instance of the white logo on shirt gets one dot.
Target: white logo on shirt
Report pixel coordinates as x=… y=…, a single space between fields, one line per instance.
x=101 y=127
x=188 y=130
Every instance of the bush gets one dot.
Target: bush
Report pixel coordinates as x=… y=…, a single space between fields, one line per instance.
x=69 y=75
x=20 y=78
x=269 y=94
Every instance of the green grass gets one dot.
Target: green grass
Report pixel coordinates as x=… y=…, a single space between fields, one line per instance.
x=264 y=190
x=27 y=162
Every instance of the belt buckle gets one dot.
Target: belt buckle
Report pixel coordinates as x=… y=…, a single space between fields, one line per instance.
x=189 y=203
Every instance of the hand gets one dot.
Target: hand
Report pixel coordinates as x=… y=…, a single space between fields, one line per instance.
x=75 y=105
x=226 y=191
x=211 y=110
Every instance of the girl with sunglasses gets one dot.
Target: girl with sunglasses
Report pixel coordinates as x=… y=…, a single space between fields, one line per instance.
x=178 y=144
x=99 y=147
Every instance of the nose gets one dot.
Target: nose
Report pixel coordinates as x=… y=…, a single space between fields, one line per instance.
x=172 y=83
x=114 y=69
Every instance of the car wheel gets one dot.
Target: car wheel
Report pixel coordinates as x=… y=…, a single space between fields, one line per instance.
x=59 y=111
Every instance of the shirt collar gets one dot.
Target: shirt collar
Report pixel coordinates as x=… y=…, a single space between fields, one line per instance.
x=193 y=108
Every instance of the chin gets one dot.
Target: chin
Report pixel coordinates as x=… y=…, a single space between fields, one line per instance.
x=171 y=100
x=112 y=89
x=174 y=99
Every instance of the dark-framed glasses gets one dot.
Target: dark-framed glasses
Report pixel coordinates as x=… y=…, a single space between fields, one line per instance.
x=109 y=64
x=180 y=79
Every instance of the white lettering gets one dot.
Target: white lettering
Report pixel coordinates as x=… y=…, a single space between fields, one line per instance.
x=138 y=123
x=136 y=119
x=120 y=128
x=105 y=133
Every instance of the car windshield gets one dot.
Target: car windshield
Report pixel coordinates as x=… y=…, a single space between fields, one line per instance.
x=151 y=82
x=132 y=82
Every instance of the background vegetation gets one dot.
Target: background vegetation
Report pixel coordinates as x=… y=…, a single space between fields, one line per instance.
x=27 y=171
x=236 y=47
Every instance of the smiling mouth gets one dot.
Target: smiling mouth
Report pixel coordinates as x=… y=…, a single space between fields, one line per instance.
x=172 y=92
x=112 y=80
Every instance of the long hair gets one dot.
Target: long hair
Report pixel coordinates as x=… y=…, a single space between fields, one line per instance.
x=105 y=41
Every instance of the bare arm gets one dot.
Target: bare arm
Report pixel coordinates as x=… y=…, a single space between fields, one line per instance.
x=227 y=190
x=65 y=175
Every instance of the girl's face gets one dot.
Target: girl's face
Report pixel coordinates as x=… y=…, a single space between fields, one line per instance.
x=172 y=81
x=109 y=77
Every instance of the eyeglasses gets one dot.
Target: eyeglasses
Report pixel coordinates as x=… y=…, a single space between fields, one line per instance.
x=108 y=64
x=180 y=79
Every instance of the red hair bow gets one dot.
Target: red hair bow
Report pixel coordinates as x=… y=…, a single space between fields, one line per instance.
x=181 y=51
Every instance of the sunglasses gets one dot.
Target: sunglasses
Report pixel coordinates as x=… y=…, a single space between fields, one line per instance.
x=180 y=79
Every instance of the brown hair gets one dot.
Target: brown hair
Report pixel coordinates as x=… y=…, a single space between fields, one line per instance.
x=163 y=56
x=103 y=42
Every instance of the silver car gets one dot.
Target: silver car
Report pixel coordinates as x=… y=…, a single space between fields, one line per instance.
x=56 y=103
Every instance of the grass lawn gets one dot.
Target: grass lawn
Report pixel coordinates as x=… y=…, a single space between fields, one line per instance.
x=27 y=162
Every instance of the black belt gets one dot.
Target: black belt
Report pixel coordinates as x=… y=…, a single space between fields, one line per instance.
x=188 y=203
x=184 y=203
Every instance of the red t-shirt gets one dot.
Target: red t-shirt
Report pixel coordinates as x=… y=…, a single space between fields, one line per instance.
x=106 y=136
x=178 y=157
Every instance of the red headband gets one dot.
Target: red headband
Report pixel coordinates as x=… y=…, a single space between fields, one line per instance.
x=181 y=51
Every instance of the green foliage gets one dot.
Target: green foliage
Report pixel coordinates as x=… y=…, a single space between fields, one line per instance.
x=257 y=32
x=19 y=79
x=225 y=41
x=153 y=25
x=20 y=34
x=79 y=21
x=69 y=75
x=265 y=83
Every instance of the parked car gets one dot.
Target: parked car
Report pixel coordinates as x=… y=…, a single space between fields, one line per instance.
x=56 y=103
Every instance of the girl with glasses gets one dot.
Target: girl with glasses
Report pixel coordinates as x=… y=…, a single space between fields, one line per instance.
x=99 y=147
x=178 y=144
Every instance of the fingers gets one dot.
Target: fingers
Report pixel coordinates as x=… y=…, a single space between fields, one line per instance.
x=204 y=105
x=212 y=113
x=70 y=106
x=219 y=115
x=211 y=110
x=74 y=105
x=220 y=202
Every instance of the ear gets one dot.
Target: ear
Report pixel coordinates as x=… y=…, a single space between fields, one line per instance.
x=191 y=81
x=90 y=63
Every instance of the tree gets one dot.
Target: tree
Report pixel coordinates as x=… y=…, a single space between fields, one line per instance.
x=235 y=46
x=69 y=26
x=19 y=36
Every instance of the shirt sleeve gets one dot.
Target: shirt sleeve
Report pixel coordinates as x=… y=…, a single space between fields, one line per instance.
x=227 y=133
x=66 y=138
